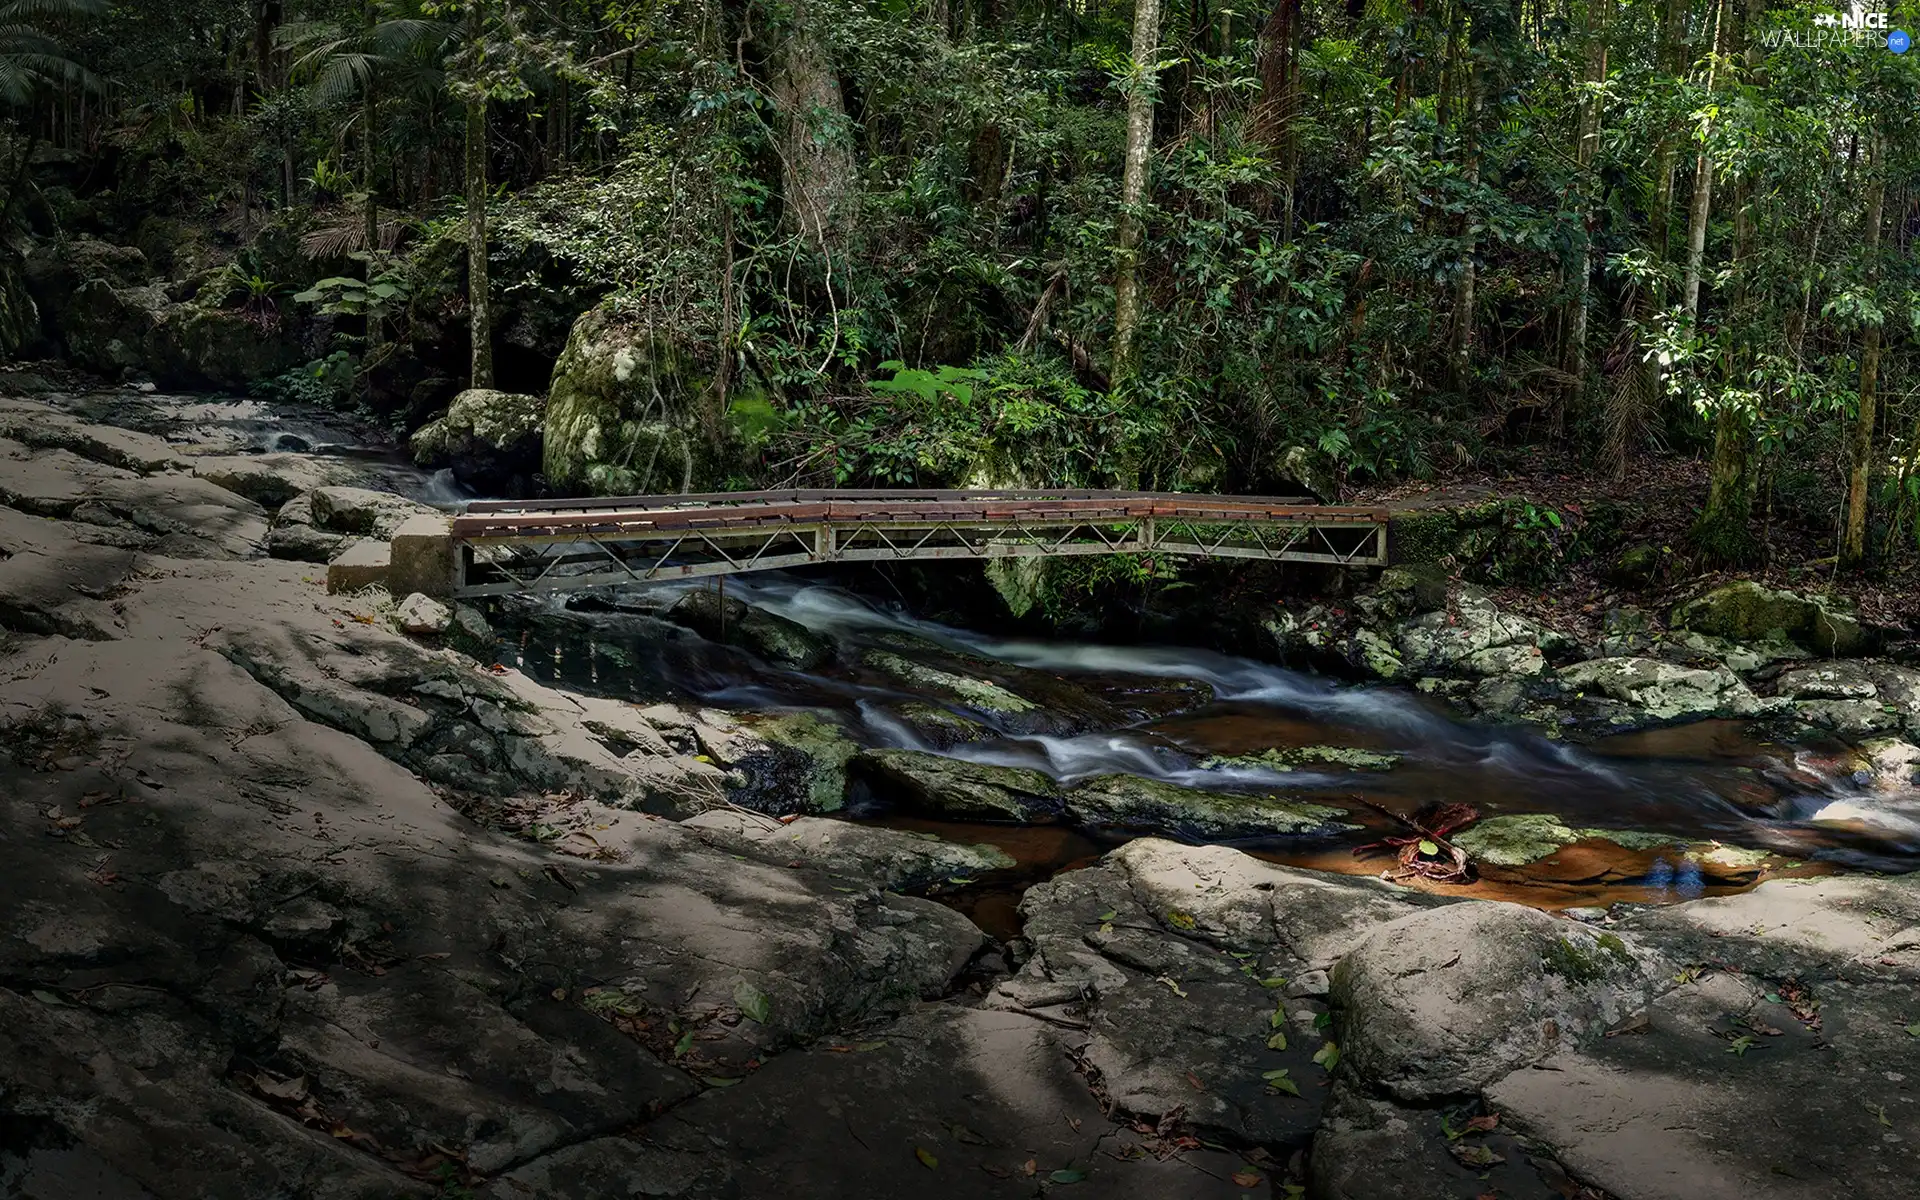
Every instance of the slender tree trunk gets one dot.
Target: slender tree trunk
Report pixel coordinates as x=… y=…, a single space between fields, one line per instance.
x=479 y=322
x=1131 y=231
x=1853 y=538
x=1698 y=211
x=1580 y=303
x=1722 y=533
x=1460 y=339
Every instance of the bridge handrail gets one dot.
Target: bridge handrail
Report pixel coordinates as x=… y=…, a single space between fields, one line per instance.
x=818 y=495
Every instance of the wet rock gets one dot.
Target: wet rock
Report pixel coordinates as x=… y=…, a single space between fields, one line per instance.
x=934 y=784
x=894 y=859
x=1443 y=1003
x=489 y=439
x=1664 y=691
x=941 y=727
x=772 y=637
x=1747 y=611
x=1310 y=758
x=1519 y=839
x=419 y=614
x=1477 y=639
x=793 y=763
x=1405 y=591
x=981 y=694
x=1637 y=566
x=1132 y=803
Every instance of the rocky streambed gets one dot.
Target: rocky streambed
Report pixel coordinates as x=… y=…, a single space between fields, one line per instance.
x=354 y=897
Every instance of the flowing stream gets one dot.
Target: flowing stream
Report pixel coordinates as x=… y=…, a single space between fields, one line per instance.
x=1212 y=721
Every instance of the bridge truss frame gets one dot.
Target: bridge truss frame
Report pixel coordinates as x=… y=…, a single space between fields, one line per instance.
x=508 y=547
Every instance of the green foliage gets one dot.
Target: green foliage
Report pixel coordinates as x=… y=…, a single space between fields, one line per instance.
x=342 y=295
x=326 y=383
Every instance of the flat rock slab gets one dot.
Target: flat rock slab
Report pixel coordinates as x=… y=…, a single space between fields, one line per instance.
x=948 y=1102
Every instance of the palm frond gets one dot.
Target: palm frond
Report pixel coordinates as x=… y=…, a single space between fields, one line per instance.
x=31 y=10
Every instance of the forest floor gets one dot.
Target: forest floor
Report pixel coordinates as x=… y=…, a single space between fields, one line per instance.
x=1662 y=497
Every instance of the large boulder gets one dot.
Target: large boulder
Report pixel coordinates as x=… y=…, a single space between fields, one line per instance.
x=776 y=639
x=623 y=416
x=489 y=439
x=97 y=303
x=1477 y=638
x=1746 y=611
x=1132 y=803
x=1665 y=692
x=939 y=786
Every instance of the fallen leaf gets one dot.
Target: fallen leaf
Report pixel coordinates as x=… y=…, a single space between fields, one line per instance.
x=1074 y=1122
x=1638 y=1023
x=1475 y=1156
x=1173 y=986
x=963 y=1134
x=752 y=1002
x=1029 y=1167
x=1483 y=1124
x=682 y=1047
x=1275 y=982
x=1067 y=1175
x=50 y=998
x=1109 y=915
x=1430 y=849
x=281 y=1089
x=719 y=1081
x=437 y=954
x=1245 y=1179
x=1277 y=1080
x=1195 y=1081
x=1328 y=1056
x=926 y=1157
x=1277 y=1042
x=1742 y=1044
x=1913 y=1030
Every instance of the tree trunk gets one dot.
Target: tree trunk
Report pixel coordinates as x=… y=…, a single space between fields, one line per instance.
x=1853 y=539
x=1721 y=532
x=816 y=155
x=1574 y=359
x=479 y=323
x=1131 y=230
x=1698 y=211
x=1460 y=338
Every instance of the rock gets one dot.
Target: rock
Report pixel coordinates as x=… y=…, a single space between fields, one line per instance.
x=1291 y=758
x=1637 y=566
x=419 y=614
x=1519 y=839
x=49 y=585
x=936 y=785
x=884 y=858
x=1132 y=803
x=489 y=439
x=363 y=512
x=796 y=762
x=1747 y=611
x=1663 y=691
x=470 y=630
x=1841 y=681
x=983 y=695
x=622 y=412
x=948 y=1102
x=292 y=534
x=1444 y=1003
x=363 y=564
x=1405 y=591
x=772 y=637
x=1129 y=953
x=42 y=427
x=98 y=304
x=271 y=480
x=1669 y=1113
x=1478 y=639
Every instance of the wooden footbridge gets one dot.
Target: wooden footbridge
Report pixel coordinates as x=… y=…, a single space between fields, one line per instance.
x=504 y=547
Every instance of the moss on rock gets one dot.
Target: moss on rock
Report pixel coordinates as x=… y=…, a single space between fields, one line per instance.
x=1518 y=839
x=826 y=748
x=982 y=694
x=1129 y=802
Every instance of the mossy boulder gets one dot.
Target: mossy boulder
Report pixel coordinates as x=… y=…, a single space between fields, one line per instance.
x=1519 y=839
x=936 y=785
x=626 y=413
x=1131 y=803
x=489 y=439
x=1746 y=611
x=772 y=637
x=818 y=754
x=983 y=695
x=1291 y=758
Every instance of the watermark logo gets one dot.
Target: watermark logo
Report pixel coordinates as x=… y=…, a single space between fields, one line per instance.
x=1860 y=24
x=1858 y=16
